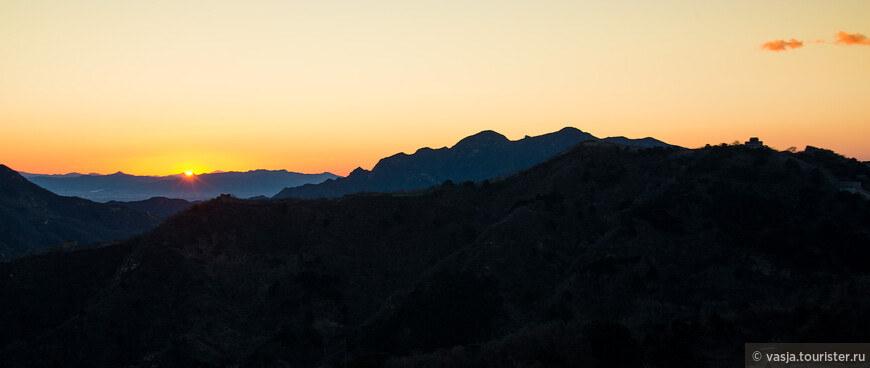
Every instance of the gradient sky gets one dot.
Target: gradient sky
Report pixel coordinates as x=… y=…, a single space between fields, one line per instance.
x=159 y=87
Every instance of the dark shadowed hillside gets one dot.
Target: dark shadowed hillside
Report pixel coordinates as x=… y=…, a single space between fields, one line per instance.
x=32 y=218
x=603 y=256
x=160 y=207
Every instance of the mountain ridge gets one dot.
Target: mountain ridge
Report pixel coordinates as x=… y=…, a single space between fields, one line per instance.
x=481 y=156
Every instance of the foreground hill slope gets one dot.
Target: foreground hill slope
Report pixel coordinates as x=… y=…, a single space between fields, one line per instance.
x=33 y=219
x=602 y=256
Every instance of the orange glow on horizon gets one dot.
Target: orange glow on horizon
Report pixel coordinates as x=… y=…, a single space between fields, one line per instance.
x=341 y=163
x=160 y=88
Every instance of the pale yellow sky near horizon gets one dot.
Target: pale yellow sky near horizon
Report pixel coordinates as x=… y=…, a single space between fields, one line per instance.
x=151 y=87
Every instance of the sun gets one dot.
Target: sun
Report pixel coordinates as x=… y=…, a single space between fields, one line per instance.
x=188 y=173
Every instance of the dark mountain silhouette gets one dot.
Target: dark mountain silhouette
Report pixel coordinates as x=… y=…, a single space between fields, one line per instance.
x=603 y=256
x=159 y=207
x=124 y=187
x=485 y=155
x=33 y=219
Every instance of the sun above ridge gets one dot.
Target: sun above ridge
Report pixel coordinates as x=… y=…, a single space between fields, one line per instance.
x=188 y=173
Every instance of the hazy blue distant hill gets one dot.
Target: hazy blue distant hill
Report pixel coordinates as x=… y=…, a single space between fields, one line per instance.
x=602 y=256
x=33 y=219
x=124 y=187
x=69 y=175
x=485 y=155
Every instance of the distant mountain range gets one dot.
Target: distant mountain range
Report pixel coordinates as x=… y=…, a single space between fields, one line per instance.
x=602 y=256
x=141 y=201
x=33 y=219
x=124 y=187
x=485 y=155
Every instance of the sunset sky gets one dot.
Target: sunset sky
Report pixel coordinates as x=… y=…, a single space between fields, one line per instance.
x=160 y=87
